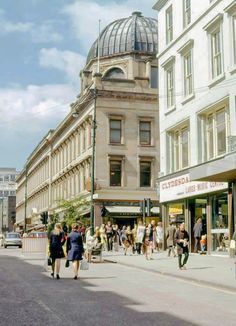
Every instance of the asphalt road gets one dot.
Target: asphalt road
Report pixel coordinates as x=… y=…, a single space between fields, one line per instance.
x=107 y=294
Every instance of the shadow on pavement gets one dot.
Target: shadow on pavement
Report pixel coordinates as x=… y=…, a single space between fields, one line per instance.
x=29 y=297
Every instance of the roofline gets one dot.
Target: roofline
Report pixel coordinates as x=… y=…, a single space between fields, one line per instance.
x=159 y=4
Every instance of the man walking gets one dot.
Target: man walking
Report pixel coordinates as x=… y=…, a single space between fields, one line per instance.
x=197 y=232
x=182 y=240
x=170 y=238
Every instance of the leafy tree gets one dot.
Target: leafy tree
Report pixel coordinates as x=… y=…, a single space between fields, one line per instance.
x=73 y=210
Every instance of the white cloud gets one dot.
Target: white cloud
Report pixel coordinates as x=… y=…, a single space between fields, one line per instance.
x=66 y=61
x=84 y=16
x=7 y=26
x=45 y=33
x=34 y=107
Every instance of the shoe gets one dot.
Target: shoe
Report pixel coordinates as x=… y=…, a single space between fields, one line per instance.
x=184 y=267
x=58 y=277
x=52 y=274
x=76 y=277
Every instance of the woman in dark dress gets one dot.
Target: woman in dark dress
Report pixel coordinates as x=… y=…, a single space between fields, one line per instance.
x=75 y=249
x=56 y=242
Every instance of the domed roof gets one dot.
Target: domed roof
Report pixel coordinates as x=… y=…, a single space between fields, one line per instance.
x=133 y=34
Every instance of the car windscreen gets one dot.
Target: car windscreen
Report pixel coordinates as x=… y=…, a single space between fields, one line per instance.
x=12 y=235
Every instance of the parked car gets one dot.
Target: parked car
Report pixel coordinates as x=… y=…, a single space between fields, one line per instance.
x=37 y=234
x=12 y=239
x=1 y=240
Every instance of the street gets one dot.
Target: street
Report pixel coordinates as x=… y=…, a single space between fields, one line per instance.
x=107 y=294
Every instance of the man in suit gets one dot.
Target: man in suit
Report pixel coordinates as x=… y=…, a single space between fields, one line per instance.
x=170 y=238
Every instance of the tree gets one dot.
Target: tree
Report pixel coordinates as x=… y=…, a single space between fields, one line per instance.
x=74 y=210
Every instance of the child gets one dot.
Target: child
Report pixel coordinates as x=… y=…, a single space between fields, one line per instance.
x=203 y=243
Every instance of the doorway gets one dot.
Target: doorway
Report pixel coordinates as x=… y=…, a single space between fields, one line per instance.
x=197 y=209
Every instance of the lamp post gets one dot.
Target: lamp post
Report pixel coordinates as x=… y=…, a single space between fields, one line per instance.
x=93 y=161
x=26 y=180
x=2 y=213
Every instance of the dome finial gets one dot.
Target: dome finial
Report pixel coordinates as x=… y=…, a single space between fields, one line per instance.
x=137 y=13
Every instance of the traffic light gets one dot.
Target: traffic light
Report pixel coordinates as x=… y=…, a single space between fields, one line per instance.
x=44 y=218
x=103 y=211
x=149 y=206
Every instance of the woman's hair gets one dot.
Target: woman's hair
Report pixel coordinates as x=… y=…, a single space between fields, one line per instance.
x=75 y=226
x=57 y=228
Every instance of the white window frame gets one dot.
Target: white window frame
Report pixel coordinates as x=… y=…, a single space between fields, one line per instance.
x=216 y=58
x=186 y=12
x=170 y=86
x=176 y=148
x=188 y=73
x=169 y=24
x=205 y=138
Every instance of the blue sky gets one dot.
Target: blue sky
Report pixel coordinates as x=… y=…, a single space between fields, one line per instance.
x=44 y=44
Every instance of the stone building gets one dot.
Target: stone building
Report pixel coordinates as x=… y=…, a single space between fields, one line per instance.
x=197 y=60
x=119 y=84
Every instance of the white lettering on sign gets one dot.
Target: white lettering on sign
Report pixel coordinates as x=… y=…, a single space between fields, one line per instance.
x=182 y=187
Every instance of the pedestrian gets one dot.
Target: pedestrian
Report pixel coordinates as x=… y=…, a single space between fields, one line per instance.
x=134 y=231
x=129 y=242
x=160 y=236
x=75 y=249
x=115 y=239
x=56 y=242
x=140 y=236
x=170 y=238
x=109 y=234
x=103 y=236
x=203 y=243
x=148 y=241
x=154 y=233
x=182 y=240
x=197 y=232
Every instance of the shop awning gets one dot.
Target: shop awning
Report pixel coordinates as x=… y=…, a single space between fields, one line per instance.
x=221 y=170
x=129 y=209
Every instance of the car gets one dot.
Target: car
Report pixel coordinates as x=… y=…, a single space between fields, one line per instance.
x=12 y=239
x=37 y=234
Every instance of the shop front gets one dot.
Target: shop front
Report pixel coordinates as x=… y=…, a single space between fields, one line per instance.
x=186 y=201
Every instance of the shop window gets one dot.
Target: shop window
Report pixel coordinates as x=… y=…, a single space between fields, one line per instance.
x=145 y=174
x=220 y=224
x=115 y=173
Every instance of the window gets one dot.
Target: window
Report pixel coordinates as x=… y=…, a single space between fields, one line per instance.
x=178 y=150
x=216 y=53
x=188 y=75
x=187 y=12
x=169 y=25
x=234 y=38
x=115 y=131
x=115 y=173
x=115 y=73
x=216 y=130
x=145 y=174
x=145 y=132
x=170 y=86
x=154 y=77
x=13 y=177
x=6 y=178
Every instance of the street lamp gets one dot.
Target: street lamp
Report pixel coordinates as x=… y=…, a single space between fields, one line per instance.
x=93 y=161
x=26 y=180
x=2 y=213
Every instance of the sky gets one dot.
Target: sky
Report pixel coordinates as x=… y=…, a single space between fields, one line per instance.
x=43 y=47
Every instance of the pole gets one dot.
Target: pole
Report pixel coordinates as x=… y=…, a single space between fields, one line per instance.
x=93 y=163
x=26 y=180
x=2 y=214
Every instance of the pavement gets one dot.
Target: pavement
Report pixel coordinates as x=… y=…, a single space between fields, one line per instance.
x=216 y=271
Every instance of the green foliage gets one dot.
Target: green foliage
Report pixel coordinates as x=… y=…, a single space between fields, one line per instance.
x=74 y=210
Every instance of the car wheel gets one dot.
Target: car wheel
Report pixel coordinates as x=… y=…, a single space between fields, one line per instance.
x=20 y=246
x=5 y=246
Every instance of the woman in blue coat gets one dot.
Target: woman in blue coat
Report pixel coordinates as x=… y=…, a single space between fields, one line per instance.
x=56 y=242
x=74 y=248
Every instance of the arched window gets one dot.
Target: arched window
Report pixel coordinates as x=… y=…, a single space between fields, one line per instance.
x=115 y=73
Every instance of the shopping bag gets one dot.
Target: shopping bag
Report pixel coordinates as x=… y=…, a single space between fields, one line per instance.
x=232 y=244
x=67 y=264
x=49 y=261
x=84 y=265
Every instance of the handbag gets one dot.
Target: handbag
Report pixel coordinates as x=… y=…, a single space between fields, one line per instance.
x=49 y=261
x=67 y=264
x=84 y=265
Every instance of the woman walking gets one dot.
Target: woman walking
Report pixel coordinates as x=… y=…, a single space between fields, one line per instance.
x=140 y=236
x=182 y=240
x=75 y=249
x=56 y=242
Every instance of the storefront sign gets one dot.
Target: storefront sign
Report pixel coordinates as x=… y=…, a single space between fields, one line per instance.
x=182 y=187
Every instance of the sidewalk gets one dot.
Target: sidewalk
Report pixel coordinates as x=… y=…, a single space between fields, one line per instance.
x=219 y=272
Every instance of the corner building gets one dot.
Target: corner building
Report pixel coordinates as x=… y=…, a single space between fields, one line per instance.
x=197 y=60
x=119 y=84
